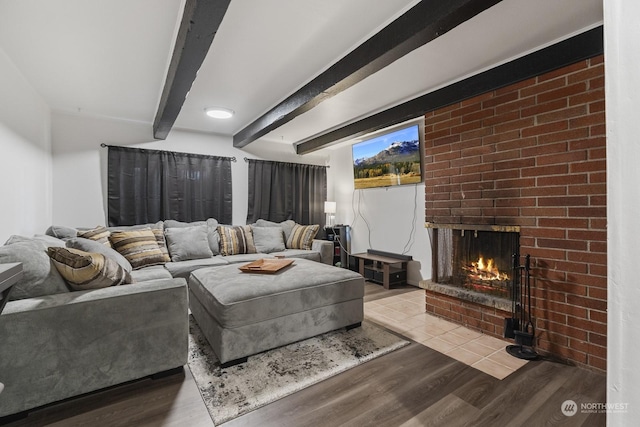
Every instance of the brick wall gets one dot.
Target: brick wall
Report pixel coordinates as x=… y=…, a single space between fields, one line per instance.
x=533 y=154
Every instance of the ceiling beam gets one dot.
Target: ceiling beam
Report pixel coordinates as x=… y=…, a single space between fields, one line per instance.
x=577 y=48
x=423 y=23
x=200 y=22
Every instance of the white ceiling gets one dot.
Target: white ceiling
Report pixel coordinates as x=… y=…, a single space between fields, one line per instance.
x=109 y=58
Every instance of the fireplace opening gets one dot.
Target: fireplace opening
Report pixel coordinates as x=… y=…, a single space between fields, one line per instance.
x=477 y=260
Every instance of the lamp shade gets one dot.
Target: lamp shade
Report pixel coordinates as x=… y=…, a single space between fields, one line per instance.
x=329 y=207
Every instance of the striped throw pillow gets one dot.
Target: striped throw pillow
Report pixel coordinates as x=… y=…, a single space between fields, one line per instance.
x=302 y=236
x=162 y=243
x=139 y=247
x=84 y=270
x=236 y=240
x=99 y=234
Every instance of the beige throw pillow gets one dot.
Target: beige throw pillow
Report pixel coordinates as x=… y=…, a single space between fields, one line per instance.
x=139 y=247
x=302 y=236
x=84 y=270
x=236 y=240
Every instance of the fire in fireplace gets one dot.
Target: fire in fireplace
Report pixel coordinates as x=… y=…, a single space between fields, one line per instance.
x=477 y=260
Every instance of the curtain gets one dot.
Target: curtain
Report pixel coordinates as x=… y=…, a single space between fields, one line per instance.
x=147 y=186
x=279 y=191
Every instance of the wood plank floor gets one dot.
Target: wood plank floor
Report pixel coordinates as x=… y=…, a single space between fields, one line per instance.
x=413 y=386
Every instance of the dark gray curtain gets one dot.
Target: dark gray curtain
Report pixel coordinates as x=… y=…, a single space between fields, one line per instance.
x=279 y=191
x=151 y=185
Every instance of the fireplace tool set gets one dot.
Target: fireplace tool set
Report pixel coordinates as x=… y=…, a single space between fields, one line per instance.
x=520 y=325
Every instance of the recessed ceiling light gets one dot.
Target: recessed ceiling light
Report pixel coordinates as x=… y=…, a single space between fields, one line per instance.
x=219 y=112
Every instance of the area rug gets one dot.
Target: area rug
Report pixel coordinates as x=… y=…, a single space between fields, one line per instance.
x=266 y=377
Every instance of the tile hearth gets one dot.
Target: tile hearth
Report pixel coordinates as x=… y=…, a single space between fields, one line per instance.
x=403 y=311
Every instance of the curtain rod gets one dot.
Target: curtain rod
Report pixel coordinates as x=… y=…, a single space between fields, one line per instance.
x=103 y=145
x=246 y=159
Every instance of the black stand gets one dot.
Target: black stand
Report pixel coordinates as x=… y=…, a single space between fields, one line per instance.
x=521 y=321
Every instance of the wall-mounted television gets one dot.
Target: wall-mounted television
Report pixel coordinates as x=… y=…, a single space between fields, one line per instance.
x=393 y=158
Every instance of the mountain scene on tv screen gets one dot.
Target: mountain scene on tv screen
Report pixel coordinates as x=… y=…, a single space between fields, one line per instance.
x=397 y=164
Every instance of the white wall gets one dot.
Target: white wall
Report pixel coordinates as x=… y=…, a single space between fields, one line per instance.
x=622 y=62
x=25 y=163
x=390 y=220
x=80 y=164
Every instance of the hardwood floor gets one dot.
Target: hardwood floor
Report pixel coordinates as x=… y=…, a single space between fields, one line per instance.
x=413 y=386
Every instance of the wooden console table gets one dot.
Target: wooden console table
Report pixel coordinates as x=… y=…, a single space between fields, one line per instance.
x=384 y=268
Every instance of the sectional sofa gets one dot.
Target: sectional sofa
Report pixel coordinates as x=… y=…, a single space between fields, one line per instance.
x=68 y=330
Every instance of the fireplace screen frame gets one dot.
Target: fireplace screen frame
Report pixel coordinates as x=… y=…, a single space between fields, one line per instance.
x=443 y=273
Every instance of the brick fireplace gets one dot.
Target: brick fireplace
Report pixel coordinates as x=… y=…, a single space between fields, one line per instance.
x=530 y=156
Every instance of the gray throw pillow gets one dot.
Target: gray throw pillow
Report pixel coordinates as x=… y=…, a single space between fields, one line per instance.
x=188 y=243
x=40 y=276
x=213 y=236
x=172 y=223
x=62 y=232
x=92 y=246
x=287 y=226
x=49 y=241
x=268 y=239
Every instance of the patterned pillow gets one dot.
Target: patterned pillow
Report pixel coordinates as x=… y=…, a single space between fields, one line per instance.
x=162 y=243
x=236 y=240
x=99 y=234
x=302 y=236
x=139 y=247
x=83 y=270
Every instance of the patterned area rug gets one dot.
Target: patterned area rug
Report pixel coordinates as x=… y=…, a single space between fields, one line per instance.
x=266 y=377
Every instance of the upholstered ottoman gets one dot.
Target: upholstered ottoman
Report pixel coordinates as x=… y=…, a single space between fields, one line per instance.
x=242 y=313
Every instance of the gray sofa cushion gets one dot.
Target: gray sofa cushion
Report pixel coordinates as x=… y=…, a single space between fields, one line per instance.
x=235 y=259
x=268 y=239
x=299 y=253
x=97 y=247
x=150 y=273
x=186 y=243
x=184 y=268
x=40 y=277
x=235 y=299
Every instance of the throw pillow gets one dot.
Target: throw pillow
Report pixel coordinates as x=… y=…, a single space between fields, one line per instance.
x=61 y=232
x=213 y=236
x=100 y=234
x=302 y=236
x=83 y=270
x=87 y=245
x=139 y=247
x=236 y=240
x=47 y=240
x=172 y=223
x=162 y=243
x=268 y=239
x=287 y=226
x=187 y=243
x=39 y=276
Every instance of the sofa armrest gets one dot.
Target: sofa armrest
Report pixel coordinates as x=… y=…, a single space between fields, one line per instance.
x=59 y=346
x=325 y=247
